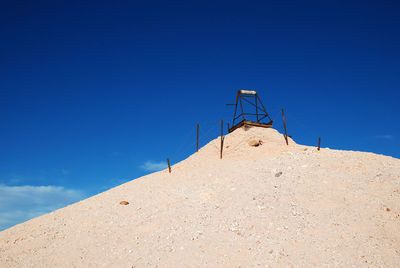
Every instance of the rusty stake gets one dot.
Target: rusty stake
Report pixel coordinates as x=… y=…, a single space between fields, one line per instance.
x=197 y=137
x=169 y=166
x=284 y=124
x=319 y=143
x=222 y=137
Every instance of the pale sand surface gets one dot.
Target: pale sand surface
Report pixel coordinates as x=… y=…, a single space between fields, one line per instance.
x=328 y=208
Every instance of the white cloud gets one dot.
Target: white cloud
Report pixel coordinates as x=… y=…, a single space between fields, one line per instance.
x=21 y=203
x=384 y=137
x=154 y=166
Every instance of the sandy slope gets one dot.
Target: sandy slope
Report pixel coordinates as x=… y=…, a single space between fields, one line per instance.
x=327 y=208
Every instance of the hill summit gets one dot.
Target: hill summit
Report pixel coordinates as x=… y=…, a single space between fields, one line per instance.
x=263 y=204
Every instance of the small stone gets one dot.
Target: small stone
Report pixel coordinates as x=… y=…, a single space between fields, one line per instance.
x=387 y=209
x=278 y=174
x=255 y=143
x=124 y=203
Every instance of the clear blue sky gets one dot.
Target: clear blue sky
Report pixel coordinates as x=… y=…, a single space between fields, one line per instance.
x=93 y=94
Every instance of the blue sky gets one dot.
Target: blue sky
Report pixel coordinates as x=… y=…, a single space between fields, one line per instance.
x=96 y=93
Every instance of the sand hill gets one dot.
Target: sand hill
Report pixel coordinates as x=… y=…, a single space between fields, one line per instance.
x=269 y=205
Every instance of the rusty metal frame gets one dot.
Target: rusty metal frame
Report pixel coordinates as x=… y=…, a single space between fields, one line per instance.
x=261 y=113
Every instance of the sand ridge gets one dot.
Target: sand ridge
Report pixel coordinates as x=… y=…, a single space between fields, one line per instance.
x=271 y=205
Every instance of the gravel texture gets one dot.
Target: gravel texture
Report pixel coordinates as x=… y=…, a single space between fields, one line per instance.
x=325 y=208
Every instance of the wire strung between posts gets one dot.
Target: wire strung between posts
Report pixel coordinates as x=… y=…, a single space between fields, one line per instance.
x=189 y=143
x=183 y=145
x=206 y=136
x=278 y=124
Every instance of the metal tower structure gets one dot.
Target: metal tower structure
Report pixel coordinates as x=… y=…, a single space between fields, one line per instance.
x=251 y=97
